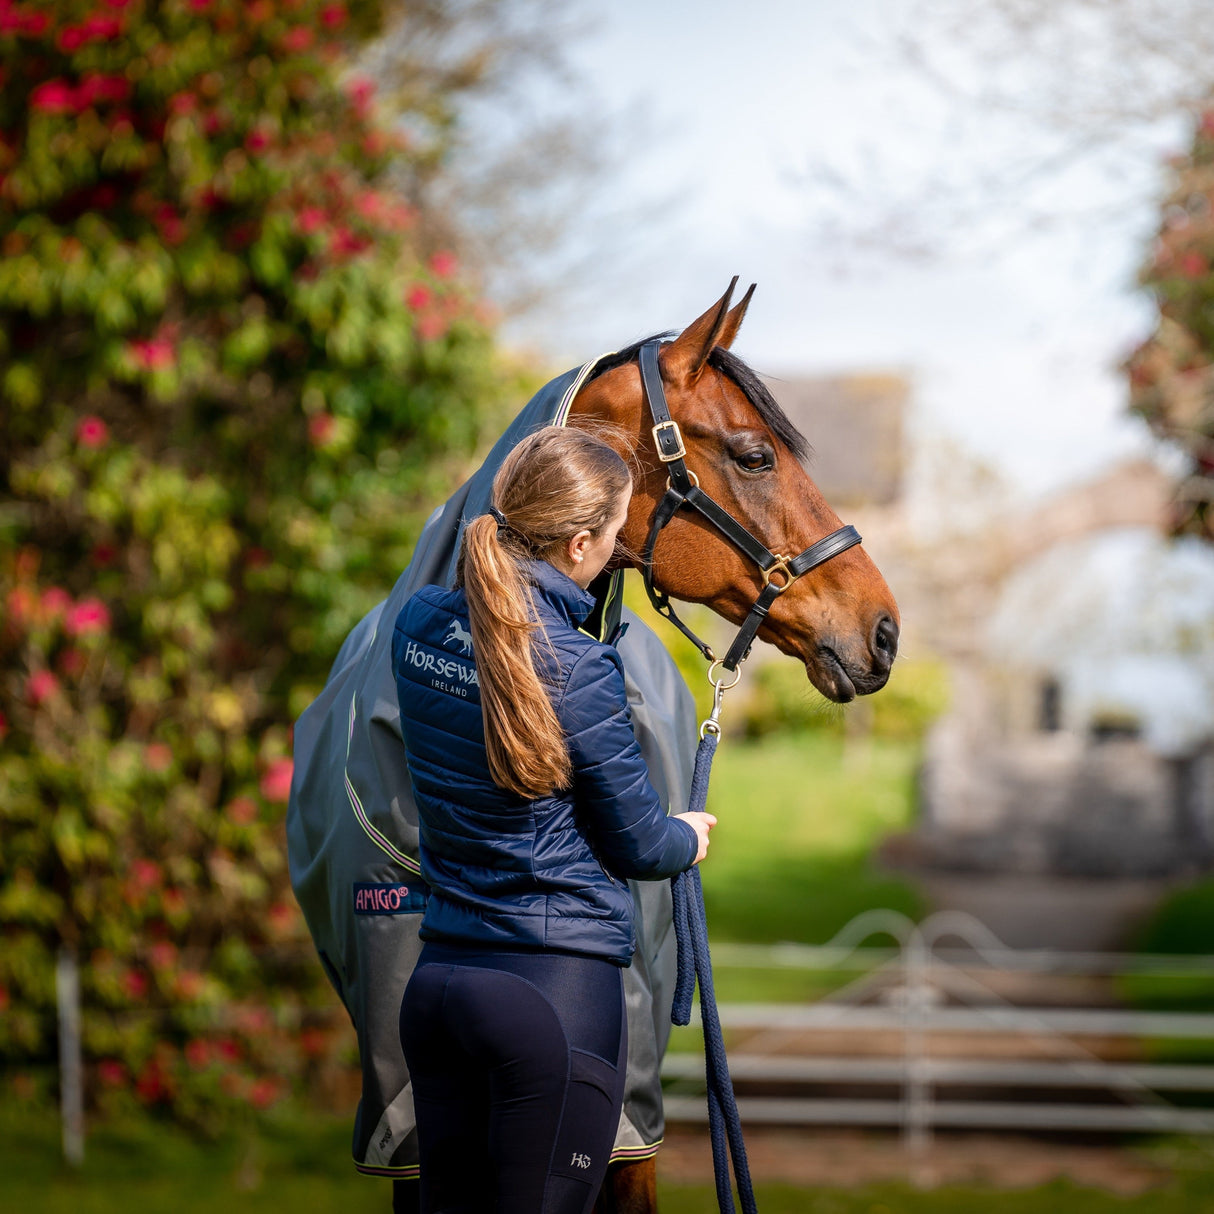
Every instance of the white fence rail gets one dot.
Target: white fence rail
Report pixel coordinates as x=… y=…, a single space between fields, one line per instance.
x=920 y=995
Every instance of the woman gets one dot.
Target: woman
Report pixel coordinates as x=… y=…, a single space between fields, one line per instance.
x=535 y=807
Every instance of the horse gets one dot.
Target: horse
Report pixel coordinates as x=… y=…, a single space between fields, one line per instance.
x=720 y=495
x=840 y=620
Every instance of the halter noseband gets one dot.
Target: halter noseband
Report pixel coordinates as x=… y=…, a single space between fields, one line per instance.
x=683 y=489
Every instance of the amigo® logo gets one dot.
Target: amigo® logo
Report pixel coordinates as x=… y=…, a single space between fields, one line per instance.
x=390 y=899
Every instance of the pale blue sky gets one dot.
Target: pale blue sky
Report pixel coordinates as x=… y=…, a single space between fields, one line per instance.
x=1014 y=357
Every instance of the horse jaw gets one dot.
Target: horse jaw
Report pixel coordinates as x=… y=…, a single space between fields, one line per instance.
x=845 y=655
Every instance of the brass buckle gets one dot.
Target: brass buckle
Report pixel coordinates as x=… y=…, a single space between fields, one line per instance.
x=678 y=435
x=780 y=566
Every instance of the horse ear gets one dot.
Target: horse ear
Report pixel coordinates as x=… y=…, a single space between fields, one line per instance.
x=733 y=322
x=684 y=359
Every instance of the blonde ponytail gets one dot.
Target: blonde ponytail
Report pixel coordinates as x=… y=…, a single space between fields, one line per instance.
x=555 y=483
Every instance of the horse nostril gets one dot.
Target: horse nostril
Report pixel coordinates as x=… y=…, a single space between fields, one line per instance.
x=885 y=638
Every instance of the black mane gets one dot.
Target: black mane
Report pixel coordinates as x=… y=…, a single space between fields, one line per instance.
x=731 y=366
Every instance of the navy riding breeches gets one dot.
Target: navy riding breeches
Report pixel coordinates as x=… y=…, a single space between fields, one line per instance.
x=517 y=1062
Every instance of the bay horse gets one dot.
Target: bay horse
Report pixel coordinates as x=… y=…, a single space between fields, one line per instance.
x=839 y=620
x=720 y=496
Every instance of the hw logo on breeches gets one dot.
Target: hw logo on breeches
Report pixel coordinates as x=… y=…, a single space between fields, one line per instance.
x=459 y=635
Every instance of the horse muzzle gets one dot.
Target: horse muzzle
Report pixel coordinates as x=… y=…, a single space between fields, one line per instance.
x=841 y=675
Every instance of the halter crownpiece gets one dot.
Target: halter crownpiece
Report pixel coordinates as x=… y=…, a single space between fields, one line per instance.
x=683 y=489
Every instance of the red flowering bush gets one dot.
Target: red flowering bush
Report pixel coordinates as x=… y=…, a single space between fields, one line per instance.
x=1172 y=373
x=230 y=371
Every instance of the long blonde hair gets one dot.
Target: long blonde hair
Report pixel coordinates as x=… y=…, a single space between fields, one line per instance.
x=555 y=483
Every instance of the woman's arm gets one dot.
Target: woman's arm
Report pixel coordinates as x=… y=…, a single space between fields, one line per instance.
x=611 y=787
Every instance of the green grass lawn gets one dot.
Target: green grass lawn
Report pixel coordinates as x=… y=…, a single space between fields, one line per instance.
x=298 y=1163
x=791 y=856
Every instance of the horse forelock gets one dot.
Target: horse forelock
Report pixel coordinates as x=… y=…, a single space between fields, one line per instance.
x=743 y=376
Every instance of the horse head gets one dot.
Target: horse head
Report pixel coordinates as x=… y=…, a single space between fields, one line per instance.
x=840 y=618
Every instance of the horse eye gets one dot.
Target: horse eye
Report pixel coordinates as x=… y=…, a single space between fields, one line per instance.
x=754 y=461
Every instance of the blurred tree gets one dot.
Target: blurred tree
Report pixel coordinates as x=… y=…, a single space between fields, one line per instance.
x=512 y=158
x=1172 y=373
x=233 y=363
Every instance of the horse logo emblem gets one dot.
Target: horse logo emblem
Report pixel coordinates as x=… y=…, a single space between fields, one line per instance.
x=460 y=635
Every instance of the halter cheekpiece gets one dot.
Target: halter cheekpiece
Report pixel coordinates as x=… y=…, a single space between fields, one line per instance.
x=683 y=489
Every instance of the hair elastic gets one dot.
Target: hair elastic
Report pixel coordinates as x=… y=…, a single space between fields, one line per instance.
x=498 y=517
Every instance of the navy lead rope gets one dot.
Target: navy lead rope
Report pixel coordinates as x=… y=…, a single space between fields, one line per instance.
x=691 y=933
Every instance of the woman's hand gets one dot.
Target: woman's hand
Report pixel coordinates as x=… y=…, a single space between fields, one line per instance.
x=701 y=824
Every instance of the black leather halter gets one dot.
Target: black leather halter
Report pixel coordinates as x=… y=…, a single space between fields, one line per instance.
x=683 y=489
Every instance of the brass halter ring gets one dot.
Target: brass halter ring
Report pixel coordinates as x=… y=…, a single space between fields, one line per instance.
x=781 y=567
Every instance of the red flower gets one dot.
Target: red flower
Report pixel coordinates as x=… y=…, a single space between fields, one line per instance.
x=375 y=143
x=71 y=662
x=263 y=1093
x=370 y=204
x=71 y=38
x=3 y=733
x=419 y=297
x=360 y=90
x=152 y=1085
x=134 y=984
x=444 y=264
x=33 y=25
x=189 y=985
x=333 y=16
x=345 y=243
x=55 y=602
x=276 y=782
x=103 y=554
x=158 y=757
x=183 y=103
x=313 y=1042
x=297 y=40
x=162 y=954
x=257 y=140
x=98 y=87
x=320 y=429
x=92 y=432
x=431 y=327
x=111 y=1072
x=198 y=1053
x=172 y=231
x=309 y=219
x=242 y=810
x=154 y=355
x=104 y=196
x=54 y=97
x=89 y=617
x=145 y=873
x=1194 y=265
x=42 y=685
x=99 y=26
x=227 y=1049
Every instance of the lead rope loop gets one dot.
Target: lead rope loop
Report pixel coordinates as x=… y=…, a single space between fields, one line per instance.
x=694 y=962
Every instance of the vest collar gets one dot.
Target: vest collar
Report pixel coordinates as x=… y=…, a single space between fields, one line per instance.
x=559 y=592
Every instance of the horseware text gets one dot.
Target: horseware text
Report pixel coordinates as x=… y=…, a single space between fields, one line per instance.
x=454 y=676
